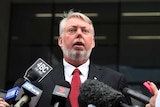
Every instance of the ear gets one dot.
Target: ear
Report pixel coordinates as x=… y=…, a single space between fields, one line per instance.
x=60 y=41
x=93 y=43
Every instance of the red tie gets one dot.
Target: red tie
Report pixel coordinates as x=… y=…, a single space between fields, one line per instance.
x=75 y=84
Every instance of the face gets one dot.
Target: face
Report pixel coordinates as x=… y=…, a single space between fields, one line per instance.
x=77 y=40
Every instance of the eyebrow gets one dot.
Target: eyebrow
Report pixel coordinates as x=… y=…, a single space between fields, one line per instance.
x=80 y=27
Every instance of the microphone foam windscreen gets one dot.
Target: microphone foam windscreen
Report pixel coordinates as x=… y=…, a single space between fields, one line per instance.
x=96 y=93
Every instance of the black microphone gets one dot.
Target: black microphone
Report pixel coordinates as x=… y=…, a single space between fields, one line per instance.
x=37 y=71
x=19 y=82
x=60 y=94
x=136 y=95
x=100 y=95
x=29 y=95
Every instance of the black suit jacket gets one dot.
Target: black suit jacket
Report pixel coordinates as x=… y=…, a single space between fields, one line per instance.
x=110 y=77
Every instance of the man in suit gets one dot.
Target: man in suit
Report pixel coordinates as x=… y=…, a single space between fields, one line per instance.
x=77 y=41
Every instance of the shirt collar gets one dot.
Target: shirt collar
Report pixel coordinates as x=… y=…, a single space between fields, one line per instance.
x=84 y=68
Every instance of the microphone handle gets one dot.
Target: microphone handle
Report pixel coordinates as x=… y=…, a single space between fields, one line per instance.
x=59 y=104
x=136 y=95
x=22 y=101
x=56 y=104
x=11 y=105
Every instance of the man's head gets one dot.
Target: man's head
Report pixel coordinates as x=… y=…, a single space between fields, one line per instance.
x=76 y=38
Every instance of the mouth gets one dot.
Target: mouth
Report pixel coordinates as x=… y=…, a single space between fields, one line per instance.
x=78 y=45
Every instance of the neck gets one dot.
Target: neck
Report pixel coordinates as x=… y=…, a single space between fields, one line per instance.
x=76 y=63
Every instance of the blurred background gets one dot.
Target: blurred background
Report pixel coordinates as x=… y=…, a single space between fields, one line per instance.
x=127 y=37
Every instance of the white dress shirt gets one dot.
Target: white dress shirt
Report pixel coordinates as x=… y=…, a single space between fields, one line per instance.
x=68 y=71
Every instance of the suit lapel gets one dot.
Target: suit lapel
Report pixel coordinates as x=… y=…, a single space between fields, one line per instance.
x=95 y=72
x=58 y=73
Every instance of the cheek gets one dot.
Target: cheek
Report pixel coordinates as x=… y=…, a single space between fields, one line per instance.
x=68 y=41
x=90 y=42
x=88 y=45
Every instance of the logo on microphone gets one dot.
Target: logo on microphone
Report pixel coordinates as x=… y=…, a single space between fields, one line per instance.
x=31 y=88
x=12 y=93
x=40 y=69
x=61 y=91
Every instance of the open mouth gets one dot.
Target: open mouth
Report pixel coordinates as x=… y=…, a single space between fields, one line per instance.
x=79 y=45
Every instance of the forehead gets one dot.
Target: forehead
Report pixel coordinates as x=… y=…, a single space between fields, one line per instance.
x=75 y=21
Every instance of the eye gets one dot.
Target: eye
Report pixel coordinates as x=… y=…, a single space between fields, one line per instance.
x=85 y=31
x=72 y=30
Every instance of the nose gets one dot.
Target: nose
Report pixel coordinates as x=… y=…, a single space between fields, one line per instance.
x=79 y=33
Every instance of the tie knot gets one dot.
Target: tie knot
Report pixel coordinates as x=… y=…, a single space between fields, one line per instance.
x=76 y=71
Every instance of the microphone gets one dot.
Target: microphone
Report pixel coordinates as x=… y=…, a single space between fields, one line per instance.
x=11 y=95
x=136 y=95
x=19 y=82
x=29 y=95
x=13 y=92
x=60 y=94
x=37 y=71
x=3 y=93
x=100 y=95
